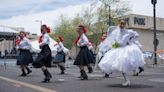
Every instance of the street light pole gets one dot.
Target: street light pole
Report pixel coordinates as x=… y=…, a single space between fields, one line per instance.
x=155 y=35
x=109 y=16
x=109 y=6
x=40 y=21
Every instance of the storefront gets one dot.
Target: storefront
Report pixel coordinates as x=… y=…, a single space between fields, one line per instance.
x=144 y=26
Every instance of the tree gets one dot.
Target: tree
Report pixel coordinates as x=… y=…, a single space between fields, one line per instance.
x=66 y=29
x=94 y=18
x=107 y=14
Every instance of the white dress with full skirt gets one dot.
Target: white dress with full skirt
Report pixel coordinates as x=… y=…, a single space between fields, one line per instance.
x=124 y=59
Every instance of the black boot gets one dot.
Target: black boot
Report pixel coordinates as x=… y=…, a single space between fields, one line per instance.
x=84 y=75
x=106 y=75
x=28 y=70
x=23 y=73
x=62 y=68
x=141 y=69
x=90 y=70
x=47 y=76
x=80 y=75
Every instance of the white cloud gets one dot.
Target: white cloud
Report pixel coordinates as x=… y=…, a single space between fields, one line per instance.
x=144 y=7
x=10 y=8
x=50 y=18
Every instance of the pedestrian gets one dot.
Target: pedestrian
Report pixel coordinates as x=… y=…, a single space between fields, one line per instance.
x=101 y=54
x=25 y=57
x=60 y=56
x=124 y=56
x=84 y=56
x=44 y=58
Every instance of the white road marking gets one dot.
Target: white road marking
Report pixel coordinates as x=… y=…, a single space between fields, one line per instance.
x=157 y=80
x=35 y=87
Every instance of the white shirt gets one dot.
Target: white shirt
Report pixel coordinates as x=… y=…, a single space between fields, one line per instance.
x=83 y=41
x=60 y=47
x=90 y=46
x=123 y=37
x=24 y=44
x=127 y=37
x=45 y=40
x=134 y=38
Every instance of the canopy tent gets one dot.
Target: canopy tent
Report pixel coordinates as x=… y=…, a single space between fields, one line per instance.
x=7 y=33
x=7 y=30
x=35 y=46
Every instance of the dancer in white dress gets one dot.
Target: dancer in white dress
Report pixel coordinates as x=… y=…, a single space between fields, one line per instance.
x=124 y=55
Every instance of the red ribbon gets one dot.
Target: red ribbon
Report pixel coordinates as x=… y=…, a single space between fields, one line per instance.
x=76 y=41
x=17 y=41
x=40 y=39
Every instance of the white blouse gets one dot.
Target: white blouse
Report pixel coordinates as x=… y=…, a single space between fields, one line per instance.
x=60 y=47
x=83 y=41
x=45 y=40
x=24 y=44
x=123 y=37
x=134 y=38
x=128 y=37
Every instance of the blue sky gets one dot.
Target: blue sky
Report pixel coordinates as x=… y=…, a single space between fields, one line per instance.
x=10 y=8
x=24 y=13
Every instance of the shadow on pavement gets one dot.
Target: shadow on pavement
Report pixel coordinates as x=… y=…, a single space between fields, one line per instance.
x=132 y=86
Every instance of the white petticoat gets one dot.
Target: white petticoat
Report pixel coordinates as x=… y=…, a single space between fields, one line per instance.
x=123 y=59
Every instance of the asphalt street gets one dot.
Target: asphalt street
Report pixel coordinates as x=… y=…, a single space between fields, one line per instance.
x=151 y=80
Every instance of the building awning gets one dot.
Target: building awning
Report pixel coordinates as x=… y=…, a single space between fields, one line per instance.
x=7 y=33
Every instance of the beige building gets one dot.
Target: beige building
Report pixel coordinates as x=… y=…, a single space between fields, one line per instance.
x=144 y=26
x=8 y=36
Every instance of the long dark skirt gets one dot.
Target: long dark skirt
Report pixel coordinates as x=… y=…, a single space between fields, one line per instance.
x=44 y=58
x=93 y=56
x=24 y=58
x=60 y=57
x=84 y=57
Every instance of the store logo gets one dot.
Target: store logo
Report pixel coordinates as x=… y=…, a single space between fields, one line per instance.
x=139 y=21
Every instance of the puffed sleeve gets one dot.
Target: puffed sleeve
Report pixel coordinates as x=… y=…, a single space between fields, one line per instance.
x=134 y=38
x=61 y=47
x=28 y=44
x=84 y=40
x=45 y=40
x=124 y=40
x=25 y=44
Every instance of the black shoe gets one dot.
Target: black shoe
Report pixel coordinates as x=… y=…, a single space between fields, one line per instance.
x=141 y=69
x=90 y=70
x=84 y=75
x=84 y=78
x=136 y=74
x=23 y=74
x=47 y=76
x=46 y=80
x=62 y=70
x=28 y=70
x=106 y=75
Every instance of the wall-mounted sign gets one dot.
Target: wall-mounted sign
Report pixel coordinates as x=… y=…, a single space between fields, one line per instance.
x=139 y=21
